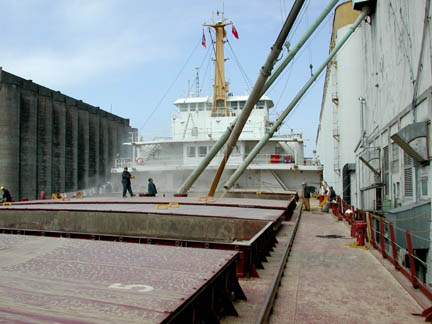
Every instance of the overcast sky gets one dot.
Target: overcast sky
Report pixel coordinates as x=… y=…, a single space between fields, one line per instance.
x=135 y=58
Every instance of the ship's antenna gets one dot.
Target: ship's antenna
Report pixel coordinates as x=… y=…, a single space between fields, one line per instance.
x=197 y=82
x=220 y=14
x=220 y=86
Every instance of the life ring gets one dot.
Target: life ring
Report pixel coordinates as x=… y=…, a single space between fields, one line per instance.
x=139 y=161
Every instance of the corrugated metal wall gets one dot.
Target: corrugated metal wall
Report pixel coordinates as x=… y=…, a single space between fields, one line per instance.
x=53 y=143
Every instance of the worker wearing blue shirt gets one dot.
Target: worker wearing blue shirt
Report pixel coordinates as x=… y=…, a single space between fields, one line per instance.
x=126 y=182
x=151 y=188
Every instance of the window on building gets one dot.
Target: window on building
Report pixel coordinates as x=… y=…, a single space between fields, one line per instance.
x=209 y=106
x=192 y=106
x=395 y=158
x=260 y=104
x=408 y=175
x=202 y=151
x=234 y=105
x=201 y=106
x=386 y=170
x=191 y=151
x=220 y=104
x=424 y=187
x=241 y=104
x=183 y=107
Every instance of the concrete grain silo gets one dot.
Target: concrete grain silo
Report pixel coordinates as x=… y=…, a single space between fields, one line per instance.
x=71 y=146
x=112 y=139
x=58 y=143
x=44 y=140
x=105 y=168
x=83 y=146
x=10 y=135
x=53 y=143
x=94 y=152
x=28 y=141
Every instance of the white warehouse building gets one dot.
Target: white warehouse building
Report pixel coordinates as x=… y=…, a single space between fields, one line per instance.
x=374 y=136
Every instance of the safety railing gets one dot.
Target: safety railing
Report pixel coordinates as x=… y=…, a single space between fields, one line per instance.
x=383 y=239
x=160 y=160
x=381 y=234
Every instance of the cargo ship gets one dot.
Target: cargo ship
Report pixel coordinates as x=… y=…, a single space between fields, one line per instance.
x=199 y=121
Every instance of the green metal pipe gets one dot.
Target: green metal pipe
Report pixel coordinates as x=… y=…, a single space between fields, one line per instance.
x=257 y=148
x=299 y=45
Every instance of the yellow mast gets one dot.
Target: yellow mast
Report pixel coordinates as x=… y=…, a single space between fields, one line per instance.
x=220 y=86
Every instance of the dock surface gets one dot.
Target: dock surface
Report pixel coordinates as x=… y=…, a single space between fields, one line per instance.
x=327 y=281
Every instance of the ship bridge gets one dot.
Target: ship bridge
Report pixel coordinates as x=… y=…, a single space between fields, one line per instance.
x=194 y=119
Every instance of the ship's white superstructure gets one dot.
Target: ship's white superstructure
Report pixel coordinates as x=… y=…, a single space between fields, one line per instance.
x=281 y=165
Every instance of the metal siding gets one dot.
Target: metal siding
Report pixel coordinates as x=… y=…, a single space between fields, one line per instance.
x=415 y=218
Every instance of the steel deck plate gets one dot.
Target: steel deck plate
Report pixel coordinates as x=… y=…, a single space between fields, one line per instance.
x=47 y=280
x=233 y=202
x=181 y=209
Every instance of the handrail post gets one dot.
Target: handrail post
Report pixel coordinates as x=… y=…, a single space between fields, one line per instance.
x=373 y=242
x=364 y=218
x=411 y=260
x=353 y=215
x=394 y=250
x=339 y=209
x=382 y=238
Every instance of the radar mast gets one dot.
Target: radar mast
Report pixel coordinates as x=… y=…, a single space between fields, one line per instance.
x=220 y=86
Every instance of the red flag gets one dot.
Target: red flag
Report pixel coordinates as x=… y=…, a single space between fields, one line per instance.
x=203 y=42
x=234 y=31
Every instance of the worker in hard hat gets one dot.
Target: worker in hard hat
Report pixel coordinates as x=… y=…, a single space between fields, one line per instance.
x=348 y=214
x=6 y=196
x=305 y=195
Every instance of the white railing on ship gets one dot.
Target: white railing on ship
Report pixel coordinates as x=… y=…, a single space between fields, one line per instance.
x=234 y=159
x=312 y=162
